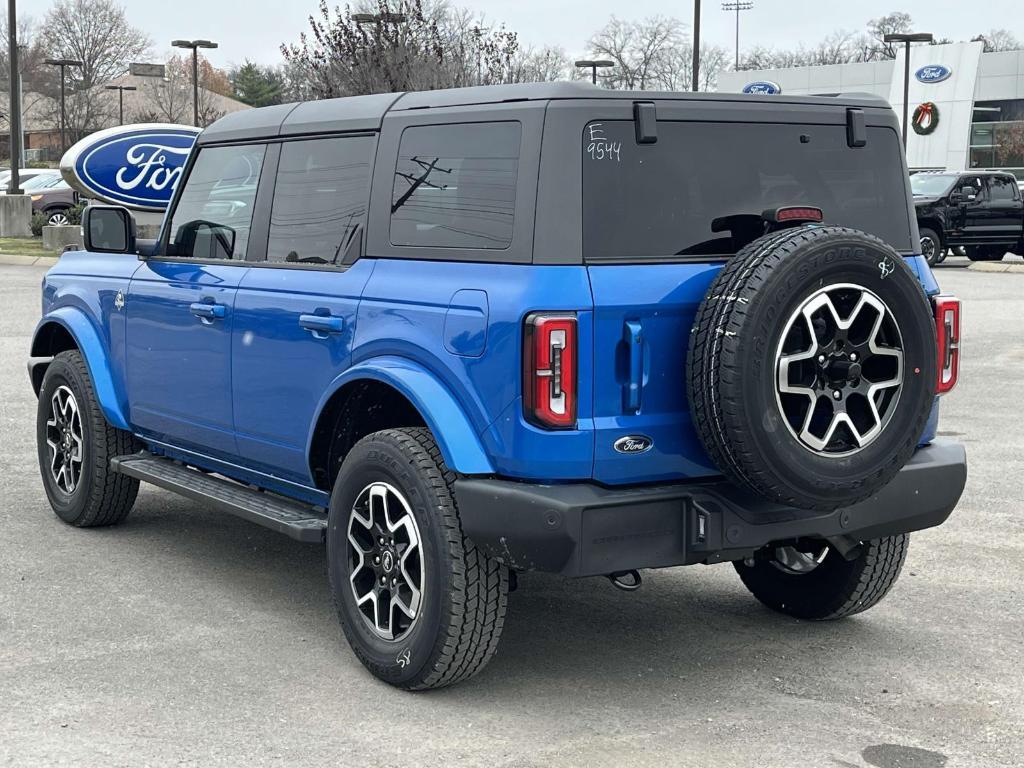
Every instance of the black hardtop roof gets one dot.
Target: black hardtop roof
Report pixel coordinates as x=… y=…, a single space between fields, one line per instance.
x=365 y=113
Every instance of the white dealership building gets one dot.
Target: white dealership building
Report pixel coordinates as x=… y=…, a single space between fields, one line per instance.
x=966 y=107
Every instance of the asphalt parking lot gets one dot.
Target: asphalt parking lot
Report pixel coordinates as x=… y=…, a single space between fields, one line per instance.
x=187 y=637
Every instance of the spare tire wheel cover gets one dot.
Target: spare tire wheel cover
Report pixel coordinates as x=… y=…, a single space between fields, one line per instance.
x=811 y=367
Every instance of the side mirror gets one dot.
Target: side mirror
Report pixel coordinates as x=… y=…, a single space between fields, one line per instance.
x=203 y=239
x=108 y=229
x=968 y=193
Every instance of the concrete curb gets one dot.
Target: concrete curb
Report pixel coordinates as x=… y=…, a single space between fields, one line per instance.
x=996 y=266
x=15 y=259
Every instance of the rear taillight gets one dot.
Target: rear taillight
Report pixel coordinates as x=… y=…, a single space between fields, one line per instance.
x=947 y=334
x=549 y=370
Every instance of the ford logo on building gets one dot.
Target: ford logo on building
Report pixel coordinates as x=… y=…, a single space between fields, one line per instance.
x=933 y=73
x=763 y=87
x=138 y=166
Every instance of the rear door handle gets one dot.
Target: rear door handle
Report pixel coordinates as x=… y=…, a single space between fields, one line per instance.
x=208 y=311
x=632 y=336
x=322 y=325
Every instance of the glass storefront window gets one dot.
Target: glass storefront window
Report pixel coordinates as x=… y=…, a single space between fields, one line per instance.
x=997 y=145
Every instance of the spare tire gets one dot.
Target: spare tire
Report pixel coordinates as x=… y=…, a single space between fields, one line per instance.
x=812 y=366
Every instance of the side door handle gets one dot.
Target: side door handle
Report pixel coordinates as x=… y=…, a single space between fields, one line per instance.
x=207 y=311
x=322 y=325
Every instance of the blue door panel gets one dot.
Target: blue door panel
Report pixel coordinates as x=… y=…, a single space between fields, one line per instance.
x=293 y=331
x=178 y=362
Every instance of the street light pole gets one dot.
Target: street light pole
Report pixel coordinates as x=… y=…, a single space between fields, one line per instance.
x=120 y=99
x=194 y=46
x=907 y=38
x=63 y=64
x=594 y=66
x=738 y=5
x=15 y=117
x=696 y=46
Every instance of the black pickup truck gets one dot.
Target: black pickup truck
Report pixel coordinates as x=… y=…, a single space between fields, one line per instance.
x=980 y=211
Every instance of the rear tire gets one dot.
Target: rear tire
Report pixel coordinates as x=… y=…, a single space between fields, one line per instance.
x=457 y=595
x=75 y=445
x=832 y=589
x=985 y=253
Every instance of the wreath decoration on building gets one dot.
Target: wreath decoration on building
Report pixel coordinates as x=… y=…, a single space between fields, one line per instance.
x=925 y=119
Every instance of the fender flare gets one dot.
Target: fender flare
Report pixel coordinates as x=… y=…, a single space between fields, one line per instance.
x=75 y=322
x=459 y=444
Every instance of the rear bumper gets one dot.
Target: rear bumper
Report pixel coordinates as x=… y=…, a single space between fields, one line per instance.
x=583 y=529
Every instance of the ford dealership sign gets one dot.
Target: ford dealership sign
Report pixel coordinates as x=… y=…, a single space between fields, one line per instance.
x=763 y=87
x=134 y=165
x=933 y=73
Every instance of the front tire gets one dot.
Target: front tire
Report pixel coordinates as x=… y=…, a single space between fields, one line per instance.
x=815 y=582
x=931 y=246
x=394 y=539
x=75 y=445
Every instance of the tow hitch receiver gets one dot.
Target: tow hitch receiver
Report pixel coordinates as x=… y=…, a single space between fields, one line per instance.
x=627 y=581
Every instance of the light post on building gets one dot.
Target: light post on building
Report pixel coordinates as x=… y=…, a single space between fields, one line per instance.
x=63 y=64
x=194 y=46
x=907 y=38
x=594 y=66
x=120 y=99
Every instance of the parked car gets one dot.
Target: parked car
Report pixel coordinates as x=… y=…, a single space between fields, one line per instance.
x=51 y=196
x=24 y=175
x=464 y=334
x=981 y=211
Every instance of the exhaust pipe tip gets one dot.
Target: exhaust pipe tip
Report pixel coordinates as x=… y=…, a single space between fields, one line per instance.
x=627 y=581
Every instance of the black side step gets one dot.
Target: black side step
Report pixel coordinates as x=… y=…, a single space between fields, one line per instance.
x=301 y=522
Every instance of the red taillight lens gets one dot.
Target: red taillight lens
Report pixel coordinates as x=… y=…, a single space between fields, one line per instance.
x=549 y=370
x=947 y=333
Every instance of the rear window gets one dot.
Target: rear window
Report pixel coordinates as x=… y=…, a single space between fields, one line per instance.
x=455 y=186
x=657 y=201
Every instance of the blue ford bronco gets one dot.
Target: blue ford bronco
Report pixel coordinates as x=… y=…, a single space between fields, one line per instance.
x=463 y=334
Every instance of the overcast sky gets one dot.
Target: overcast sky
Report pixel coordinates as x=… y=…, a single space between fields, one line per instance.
x=255 y=29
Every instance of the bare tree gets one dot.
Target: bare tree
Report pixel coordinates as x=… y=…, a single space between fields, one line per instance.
x=999 y=40
x=96 y=33
x=30 y=62
x=896 y=22
x=413 y=45
x=169 y=100
x=541 y=65
x=638 y=49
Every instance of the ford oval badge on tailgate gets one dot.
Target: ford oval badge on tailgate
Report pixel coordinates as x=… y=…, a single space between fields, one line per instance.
x=633 y=444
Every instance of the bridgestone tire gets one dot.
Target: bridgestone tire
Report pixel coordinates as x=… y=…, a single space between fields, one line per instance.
x=834 y=589
x=102 y=497
x=464 y=593
x=732 y=359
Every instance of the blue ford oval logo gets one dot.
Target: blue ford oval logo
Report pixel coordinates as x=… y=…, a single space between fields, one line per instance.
x=763 y=87
x=933 y=73
x=134 y=165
